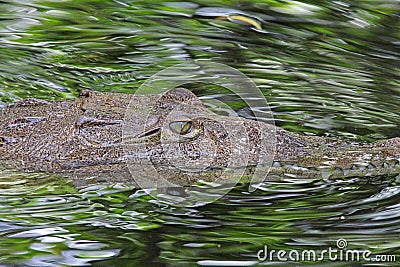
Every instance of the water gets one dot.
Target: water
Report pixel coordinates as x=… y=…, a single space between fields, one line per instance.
x=325 y=67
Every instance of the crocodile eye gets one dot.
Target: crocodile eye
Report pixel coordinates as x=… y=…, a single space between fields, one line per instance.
x=181 y=127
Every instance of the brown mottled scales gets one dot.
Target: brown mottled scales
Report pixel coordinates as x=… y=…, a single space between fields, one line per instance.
x=83 y=138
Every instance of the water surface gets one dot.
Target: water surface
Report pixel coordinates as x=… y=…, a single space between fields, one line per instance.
x=329 y=68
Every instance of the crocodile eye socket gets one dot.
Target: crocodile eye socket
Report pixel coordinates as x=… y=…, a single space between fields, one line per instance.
x=181 y=127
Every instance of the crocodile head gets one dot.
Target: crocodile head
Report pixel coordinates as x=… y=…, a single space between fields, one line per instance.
x=104 y=134
x=184 y=142
x=107 y=137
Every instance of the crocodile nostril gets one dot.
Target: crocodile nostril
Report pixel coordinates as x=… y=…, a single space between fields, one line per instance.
x=85 y=93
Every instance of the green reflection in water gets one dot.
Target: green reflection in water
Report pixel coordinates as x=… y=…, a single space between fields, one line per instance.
x=326 y=67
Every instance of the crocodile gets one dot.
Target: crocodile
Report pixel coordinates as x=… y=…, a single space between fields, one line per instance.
x=116 y=137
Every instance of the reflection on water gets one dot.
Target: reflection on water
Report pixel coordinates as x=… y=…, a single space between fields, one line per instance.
x=52 y=222
x=326 y=67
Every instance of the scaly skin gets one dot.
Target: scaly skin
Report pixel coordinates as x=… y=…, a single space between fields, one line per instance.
x=94 y=137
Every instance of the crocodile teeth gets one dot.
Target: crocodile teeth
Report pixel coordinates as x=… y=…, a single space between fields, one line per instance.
x=385 y=165
x=370 y=166
x=378 y=165
x=326 y=174
x=392 y=161
x=276 y=164
x=338 y=172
